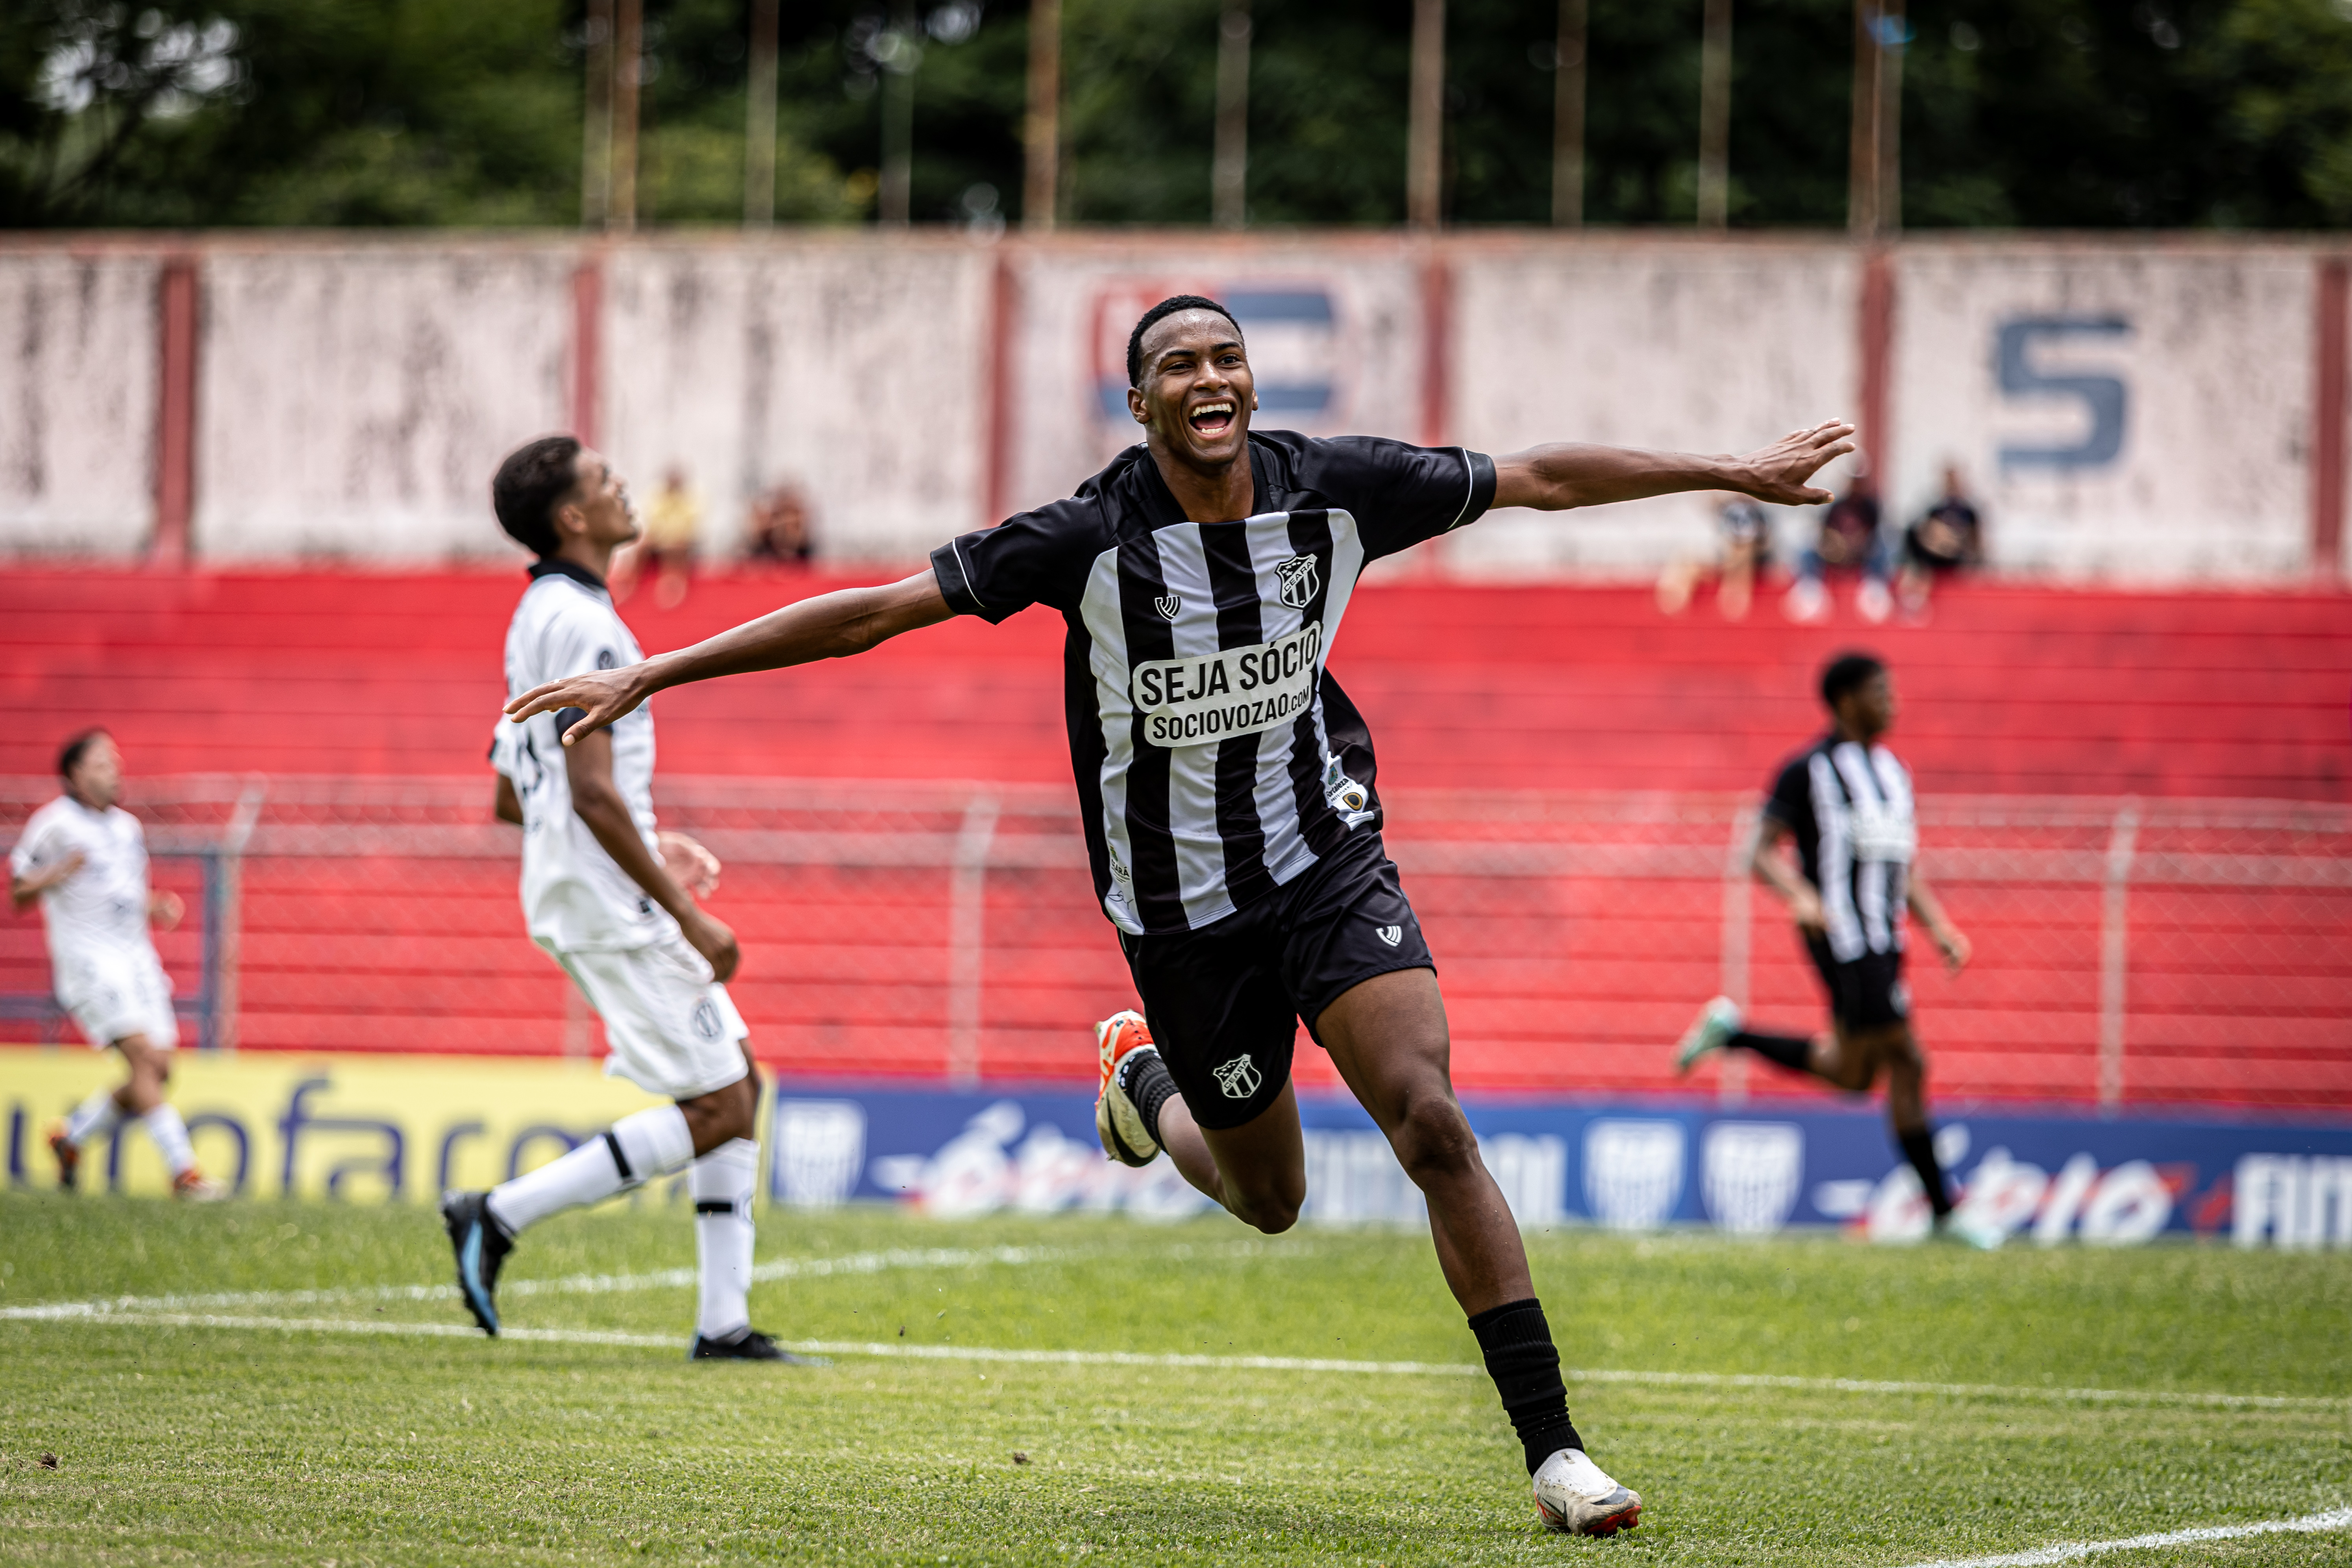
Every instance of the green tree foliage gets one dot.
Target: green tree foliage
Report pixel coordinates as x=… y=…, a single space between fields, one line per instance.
x=2083 y=114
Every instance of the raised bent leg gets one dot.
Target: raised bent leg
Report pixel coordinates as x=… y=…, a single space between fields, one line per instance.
x=1388 y=1038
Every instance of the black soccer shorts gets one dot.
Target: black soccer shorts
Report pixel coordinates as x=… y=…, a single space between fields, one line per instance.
x=1224 y=1001
x=1867 y=993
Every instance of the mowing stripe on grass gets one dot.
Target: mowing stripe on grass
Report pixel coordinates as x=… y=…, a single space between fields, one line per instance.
x=2071 y=1551
x=1226 y=1362
x=569 y=1284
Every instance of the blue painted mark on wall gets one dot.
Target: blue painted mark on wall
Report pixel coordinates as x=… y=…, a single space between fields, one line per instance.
x=2104 y=400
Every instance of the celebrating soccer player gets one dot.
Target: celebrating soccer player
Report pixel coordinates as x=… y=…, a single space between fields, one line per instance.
x=1846 y=803
x=607 y=896
x=1226 y=785
x=85 y=859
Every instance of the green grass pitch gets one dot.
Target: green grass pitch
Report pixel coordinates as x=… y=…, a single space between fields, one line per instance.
x=256 y=1444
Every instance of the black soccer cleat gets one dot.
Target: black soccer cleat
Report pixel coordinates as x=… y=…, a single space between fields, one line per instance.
x=481 y=1249
x=67 y=1156
x=748 y=1344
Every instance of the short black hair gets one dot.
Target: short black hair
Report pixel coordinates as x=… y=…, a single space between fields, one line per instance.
x=533 y=477
x=1848 y=672
x=1167 y=308
x=69 y=758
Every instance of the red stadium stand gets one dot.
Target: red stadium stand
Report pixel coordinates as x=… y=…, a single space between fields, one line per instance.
x=2239 y=990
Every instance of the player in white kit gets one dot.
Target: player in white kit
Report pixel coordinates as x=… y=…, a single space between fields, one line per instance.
x=85 y=859
x=602 y=890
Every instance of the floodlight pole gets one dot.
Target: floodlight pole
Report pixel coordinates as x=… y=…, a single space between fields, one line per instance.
x=1229 y=177
x=1042 y=132
x=1875 y=189
x=628 y=43
x=759 y=121
x=596 y=117
x=1715 y=116
x=1567 y=115
x=1425 y=128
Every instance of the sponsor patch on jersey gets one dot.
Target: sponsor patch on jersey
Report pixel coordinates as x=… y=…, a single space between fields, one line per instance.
x=1240 y=691
x=706 y=1019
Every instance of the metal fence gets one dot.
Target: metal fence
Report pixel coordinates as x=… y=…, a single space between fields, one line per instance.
x=2128 y=953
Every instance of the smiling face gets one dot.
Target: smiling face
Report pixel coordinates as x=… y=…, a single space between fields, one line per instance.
x=1197 y=395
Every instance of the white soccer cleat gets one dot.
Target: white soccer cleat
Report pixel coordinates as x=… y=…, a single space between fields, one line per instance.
x=1715 y=1024
x=1575 y=1497
x=1118 y=1041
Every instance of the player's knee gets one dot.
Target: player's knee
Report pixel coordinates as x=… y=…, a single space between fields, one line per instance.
x=1273 y=1210
x=1432 y=1139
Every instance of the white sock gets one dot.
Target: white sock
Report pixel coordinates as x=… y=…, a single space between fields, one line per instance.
x=171 y=1135
x=93 y=1117
x=723 y=1181
x=637 y=1148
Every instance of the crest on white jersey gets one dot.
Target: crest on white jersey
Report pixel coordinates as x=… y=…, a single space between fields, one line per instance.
x=1168 y=604
x=1238 y=1079
x=1390 y=934
x=1297 y=581
x=706 y=1019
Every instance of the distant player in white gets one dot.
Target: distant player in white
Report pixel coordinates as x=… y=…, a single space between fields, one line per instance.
x=602 y=891
x=85 y=859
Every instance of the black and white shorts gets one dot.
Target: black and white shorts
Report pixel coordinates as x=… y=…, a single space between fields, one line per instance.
x=1224 y=1001
x=1866 y=994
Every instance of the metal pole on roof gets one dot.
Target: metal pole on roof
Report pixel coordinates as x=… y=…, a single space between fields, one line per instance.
x=1567 y=115
x=759 y=121
x=1425 y=126
x=1229 y=177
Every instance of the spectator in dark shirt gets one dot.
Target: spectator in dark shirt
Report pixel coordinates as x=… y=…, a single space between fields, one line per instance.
x=1948 y=537
x=1849 y=542
x=779 y=526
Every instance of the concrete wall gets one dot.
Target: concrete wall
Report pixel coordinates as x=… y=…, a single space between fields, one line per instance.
x=2128 y=410
x=78 y=381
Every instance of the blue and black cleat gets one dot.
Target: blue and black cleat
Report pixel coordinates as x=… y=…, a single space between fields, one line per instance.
x=481 y=1249
x=748 y=1344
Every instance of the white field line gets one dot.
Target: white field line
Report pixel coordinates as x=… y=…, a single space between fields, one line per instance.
x=2071 y=1551
x=570 y=1284
x=1226 y=1362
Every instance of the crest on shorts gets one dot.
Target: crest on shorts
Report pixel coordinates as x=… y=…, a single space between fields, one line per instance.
x=1238 y=1079
x=706 y=1019
x=1390 y=934
x=1296 y=581
x=1168 y=604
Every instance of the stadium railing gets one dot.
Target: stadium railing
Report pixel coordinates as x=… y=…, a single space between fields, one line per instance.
x=2128 y=952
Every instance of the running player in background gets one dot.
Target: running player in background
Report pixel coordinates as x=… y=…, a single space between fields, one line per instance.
x=1846 y=803
x=607 y=896
x=1226 y=790
x=85 y=859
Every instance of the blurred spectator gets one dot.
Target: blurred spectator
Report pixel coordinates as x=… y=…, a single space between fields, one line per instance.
x=1849 y=542
x=1948 y=537
x=673 y=522
x=1743 y=548
x=779 y=525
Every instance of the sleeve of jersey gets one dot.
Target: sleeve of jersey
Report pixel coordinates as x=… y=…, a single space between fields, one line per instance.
x=1036 y=558
x=1402 y=494
x=25 y=855
x=1790 y=804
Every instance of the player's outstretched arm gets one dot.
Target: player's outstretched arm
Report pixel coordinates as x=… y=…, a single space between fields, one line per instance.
x=830 y=625
x=23 y=890
x=1565 y=474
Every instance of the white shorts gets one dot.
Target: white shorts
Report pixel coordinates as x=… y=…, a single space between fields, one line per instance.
x=114 y=992
x=672 y=1029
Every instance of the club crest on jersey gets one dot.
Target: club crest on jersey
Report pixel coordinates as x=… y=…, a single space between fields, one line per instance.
x=1297 y=581
x=706 y=1019
x=1390 y=934
x=1168 y=604
x=1238 y=1079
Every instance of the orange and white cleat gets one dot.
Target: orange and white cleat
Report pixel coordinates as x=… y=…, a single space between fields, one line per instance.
x=68 y=1157
x=1122 y=1041
x=192 y=1186
x=1574 y=1496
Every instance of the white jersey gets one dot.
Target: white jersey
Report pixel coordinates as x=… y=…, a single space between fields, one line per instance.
x=574 y=896
x=101 y=911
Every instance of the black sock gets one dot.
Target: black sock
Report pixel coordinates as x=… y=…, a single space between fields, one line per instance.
x=1919 y=1148
x=1149 y=1083
x=1520 y=1358
x=1789 y=1050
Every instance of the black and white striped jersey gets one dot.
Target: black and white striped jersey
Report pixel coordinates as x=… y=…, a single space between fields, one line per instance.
x=1215 y=760
x=1850 y=810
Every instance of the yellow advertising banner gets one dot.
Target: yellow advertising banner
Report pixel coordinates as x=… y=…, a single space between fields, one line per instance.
x=365 y=1129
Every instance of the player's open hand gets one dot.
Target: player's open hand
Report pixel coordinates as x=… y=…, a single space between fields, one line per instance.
x=603 y=695
x=1805 y=909
x=695 y=868
x=165 y=908
x=717 y=944
x=1953 y=946
x=1782 y=472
